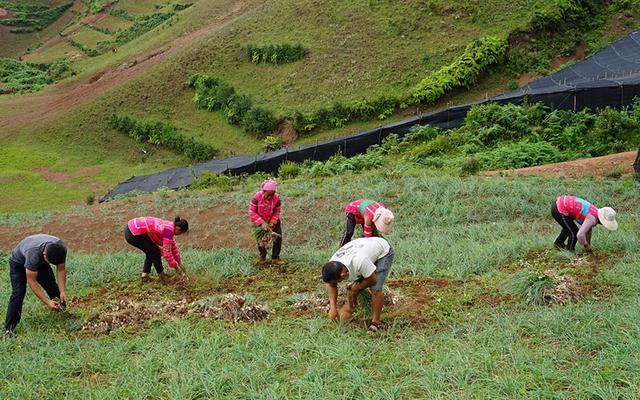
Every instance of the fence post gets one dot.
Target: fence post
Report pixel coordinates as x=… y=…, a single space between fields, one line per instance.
x=574 y=102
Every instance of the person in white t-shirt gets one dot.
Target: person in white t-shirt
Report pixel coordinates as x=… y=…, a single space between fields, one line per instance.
x=365 y=263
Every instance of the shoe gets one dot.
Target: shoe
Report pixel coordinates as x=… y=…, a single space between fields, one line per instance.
x=277 y=262
x=559 y=246
x=9 y=333
x=145 y=278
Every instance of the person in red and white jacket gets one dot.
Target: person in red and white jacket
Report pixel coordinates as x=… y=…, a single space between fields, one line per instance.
x=567 y=210
x=264 y=211
x=155 y=237
x=374 y=217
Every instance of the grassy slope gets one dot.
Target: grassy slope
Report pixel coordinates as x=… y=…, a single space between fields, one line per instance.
x=467 y=229
x=356 y=49
x=14 y=45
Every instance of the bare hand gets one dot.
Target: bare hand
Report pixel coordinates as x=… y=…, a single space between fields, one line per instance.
x=53 y=305
x=63 y=298
x=588 y=248
x=333 y=314
x=345 y=313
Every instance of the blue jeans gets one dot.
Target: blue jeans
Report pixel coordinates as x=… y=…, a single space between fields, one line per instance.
x=18 y=276
x=383 y=267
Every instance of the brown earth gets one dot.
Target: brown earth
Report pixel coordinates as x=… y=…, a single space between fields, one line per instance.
x=4 y=13
x=578 y=54
x=69 y=95
x=597 y=167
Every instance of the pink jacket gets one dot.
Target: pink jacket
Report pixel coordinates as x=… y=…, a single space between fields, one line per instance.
x=160 y=232
x=361 y=207
x=262 y=210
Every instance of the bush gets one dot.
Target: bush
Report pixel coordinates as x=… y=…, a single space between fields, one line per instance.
x=259 y=121
x=32 y=18
x=209 y=179
x=470 y=166
x=289 y=169
x=164 y=134
x=271 y=143
x=21 y=77
x=463 y=72
x=275 y=54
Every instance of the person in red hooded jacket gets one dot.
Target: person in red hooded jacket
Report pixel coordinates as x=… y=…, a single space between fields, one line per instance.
x=264 y=211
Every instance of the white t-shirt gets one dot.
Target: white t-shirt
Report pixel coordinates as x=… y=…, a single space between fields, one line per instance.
x=360 y=255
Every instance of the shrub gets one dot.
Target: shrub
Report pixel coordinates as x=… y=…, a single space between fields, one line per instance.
x=463 y=72
x=470 y=166
x=289 y=169
x=259 y=121
x=271 y=143
x=164 y=134
x=32 y=18
x=21 y=77
x=521 y=154
x=275 y=54
x=209 y=179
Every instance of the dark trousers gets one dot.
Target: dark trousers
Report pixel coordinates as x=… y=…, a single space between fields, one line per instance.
x=277 y=244
x=18 y=276
x=350 y=228
x=569 y=229
x=151 y=251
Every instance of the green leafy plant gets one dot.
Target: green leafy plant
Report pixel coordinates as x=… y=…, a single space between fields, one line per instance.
x=163 y=134
x=211 y=180
x=275 y=54
x=271 y=143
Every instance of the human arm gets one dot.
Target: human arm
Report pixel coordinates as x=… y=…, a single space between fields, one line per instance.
x=61 y=277
x=584 y=233
x=368 y=226
x=332 y=291
x=32 y=280
x=276 y=215
x=253 y=212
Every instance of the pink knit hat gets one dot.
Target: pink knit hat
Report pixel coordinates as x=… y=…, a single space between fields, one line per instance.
x=268 y=185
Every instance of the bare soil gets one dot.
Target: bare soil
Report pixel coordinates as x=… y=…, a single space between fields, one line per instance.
x=578 y=54
x=597 y=167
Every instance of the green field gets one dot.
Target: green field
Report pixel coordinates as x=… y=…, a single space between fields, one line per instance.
x=112 y=23
x=472 y=235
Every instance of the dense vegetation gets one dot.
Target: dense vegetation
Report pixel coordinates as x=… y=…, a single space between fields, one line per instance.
x=31 y=18
x=275 y=54
x=162 y=134
x=20 y=77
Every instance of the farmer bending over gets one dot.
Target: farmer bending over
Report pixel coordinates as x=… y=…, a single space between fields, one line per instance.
x=29 y=263
x=364 y=262
x=372 y=215
x=570 y=209
x=154 y=236
x=264 y=211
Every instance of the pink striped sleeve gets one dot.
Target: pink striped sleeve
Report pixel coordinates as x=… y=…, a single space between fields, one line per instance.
x=253 y=210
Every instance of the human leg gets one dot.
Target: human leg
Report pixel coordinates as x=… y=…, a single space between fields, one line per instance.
x=18 y=277
x=349 y=229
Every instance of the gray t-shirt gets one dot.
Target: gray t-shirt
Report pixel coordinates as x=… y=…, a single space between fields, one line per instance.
x=360 y=256
x=28 y=252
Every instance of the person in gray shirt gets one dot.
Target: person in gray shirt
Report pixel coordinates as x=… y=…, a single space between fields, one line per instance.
x=30 y=263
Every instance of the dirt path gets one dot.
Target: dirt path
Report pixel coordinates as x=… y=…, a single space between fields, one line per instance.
x=597 y=167
x=65 y=97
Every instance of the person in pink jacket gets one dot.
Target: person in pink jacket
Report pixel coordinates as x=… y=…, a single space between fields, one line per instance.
x=155 y=237
x=374 y=217
x=567 y=210
x=264 y=211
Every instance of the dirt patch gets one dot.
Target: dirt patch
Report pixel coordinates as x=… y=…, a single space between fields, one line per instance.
x=286 y=132
x=86 y=172
x=125 y=313
x=58 y=177
x=578 y=54
x=597 y=167
x=525 y=78
x=4 y=13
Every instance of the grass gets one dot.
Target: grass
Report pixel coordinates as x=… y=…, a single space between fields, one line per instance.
x=113 y=23
x=510 y=350
x=89 y=37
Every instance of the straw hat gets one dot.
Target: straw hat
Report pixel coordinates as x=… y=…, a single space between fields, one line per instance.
x=383 y=219
x=607 y=217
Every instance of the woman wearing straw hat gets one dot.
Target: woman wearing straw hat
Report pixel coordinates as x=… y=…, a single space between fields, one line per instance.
x=570 y=209
x=264 y=211
x=372 y=215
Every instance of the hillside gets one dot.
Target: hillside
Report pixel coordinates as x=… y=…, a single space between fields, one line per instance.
x=354 y=50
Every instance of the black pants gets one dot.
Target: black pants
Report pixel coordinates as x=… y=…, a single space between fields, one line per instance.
x=350 y=228
x=18 y=276
x=277 y=244
x=569 y=229
x=151 y=251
